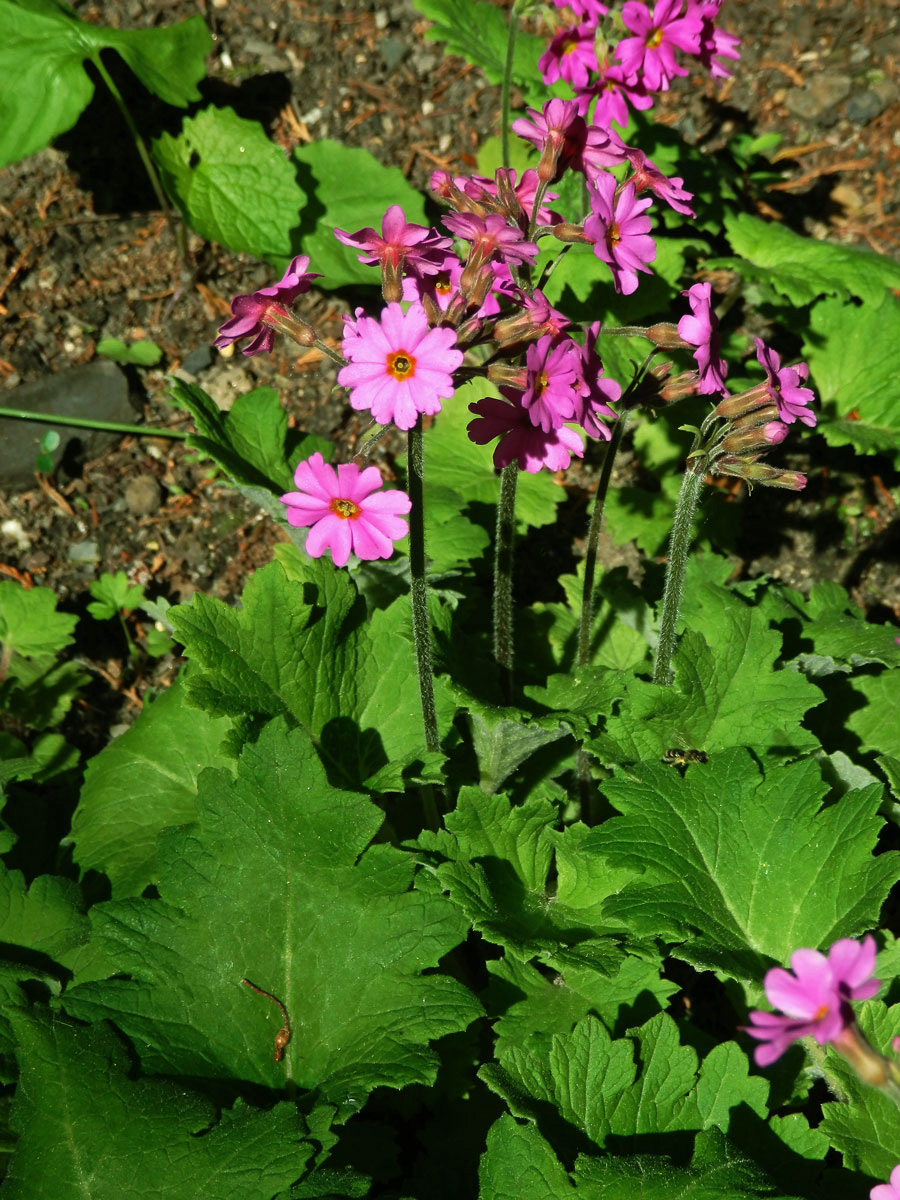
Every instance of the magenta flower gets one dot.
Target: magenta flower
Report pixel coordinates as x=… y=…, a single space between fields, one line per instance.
x=566 y=141
x=398 y=367
x=440 y=286
x=701 y=329
x=250 y=311
x=593 y=390
x=714 y=43
x=815 y=996
x=784 y=387
x=652 y=51
x=613 y=91
x=346 y=517
x=520 y=440
x=619 y=232
x=648 y=175
x=588 y=10
x=400 y=243
x=491 y=237
x=887 y=1191
x=552 y=375
x=570 y=56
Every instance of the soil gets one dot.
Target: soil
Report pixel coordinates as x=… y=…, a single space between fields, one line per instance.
x=86 y=255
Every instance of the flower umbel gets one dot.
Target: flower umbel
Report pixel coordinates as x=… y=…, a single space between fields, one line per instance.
x=399 y=367
x=815 y=995
x=345 y=513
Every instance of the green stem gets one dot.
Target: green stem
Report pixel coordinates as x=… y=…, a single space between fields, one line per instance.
x=19 y=414
x=511 y=31
x=679 y=545
x=503 y=568
x=178 y=231
x=593 y=542
x=419 y=588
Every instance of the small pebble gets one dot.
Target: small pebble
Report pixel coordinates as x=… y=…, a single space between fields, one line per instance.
x=143 y=495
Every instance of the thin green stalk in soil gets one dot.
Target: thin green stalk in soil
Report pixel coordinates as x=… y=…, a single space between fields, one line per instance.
x=419 y=598
x=679 y=546
x=19 y=414
x=512 y=29
x=503 y=569
x=177 y=228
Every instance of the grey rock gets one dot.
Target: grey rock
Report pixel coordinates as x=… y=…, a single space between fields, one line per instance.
x=197 y=360
x=143 y=495
x=392 y=50
x=819 y=100
x=870 y=103
x=83 y=552
x=98 y=390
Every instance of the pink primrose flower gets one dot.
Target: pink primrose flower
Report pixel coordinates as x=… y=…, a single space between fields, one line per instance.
x=249 y=320
x=344 y=513
x=619 y=232
x=815 y=995
x=651 y=52
x=570 y=56
x=588 y=10
x=400 y=243
x=399 y=367
x=648 y=175
x=520 y=440
x=701 y=329
x=552 y=375
x=441 y=286
x=775 y=432
x=714 y=43
x=492 y=237
x=593 y=390
x=887 y=1191
x=611 y=95
x=562 y=132
x=784 y=387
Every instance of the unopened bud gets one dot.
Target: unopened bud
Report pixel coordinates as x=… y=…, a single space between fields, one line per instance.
x=679 y=386
x=754 y=437
x=566 y=232
x=391 y=283
x=757 y=472
x=507 y=376
x=666 y=336
x=279 y=318
x=757 y=416
x=744 y=402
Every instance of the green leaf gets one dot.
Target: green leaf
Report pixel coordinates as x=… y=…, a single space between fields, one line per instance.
x=647 y=1083
x=86 y=1128
x=478 y=31
x=838 y=630
x=142 y=354
x=852 y=354
x=113 y=833
x=503 y=739
x=306 y=651
x=231 y=183
x=113 y=594
x=726 y=692
x=40 y=691
x=46 y=918
x=745 y=867
x=494 y=860
x=276 y=884
x=29 y=622
x=44 y=86
x=519 y=1162
x=876 y=725
x=349 y=189
x=802 y=268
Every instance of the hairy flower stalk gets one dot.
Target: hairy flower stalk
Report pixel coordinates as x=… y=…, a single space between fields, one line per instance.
x=679 y=545
x=419 y=592
x=593 y=542
x=503 y=566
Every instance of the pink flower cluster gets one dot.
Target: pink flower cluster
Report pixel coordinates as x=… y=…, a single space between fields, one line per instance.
x=644 y=62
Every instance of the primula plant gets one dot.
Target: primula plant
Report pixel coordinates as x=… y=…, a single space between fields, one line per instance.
x=411 y=885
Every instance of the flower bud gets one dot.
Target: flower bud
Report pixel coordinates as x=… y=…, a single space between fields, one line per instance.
x=279 y=318
x=744 y=402
x=665 y=335
x=741 y=440
x=507 y=376
x=567 y=232
x=757 y=472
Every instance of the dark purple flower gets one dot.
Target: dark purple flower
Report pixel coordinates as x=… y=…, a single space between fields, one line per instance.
x=700 y=328
x=593 y=390
x=784 y=387
x=520 y=441
x=619 y=232
x=250 y=311
x=651 y=52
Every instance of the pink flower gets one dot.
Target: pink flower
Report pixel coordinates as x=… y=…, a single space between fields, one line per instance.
x=593 y=389
x=552 y=374
x=887 y=1191
x=570 y=56
x=714 y=43
x=648 y=175
x=520 y=441
x=589 y=10
x=619 y=232
x=250 y=311
x=815 y=997
x=701 y=329
x=344 y=514
x=652 y=50
x=491 y=237
x=399 y=367
x=613 y=91
x=783 y=387
x=401 y=243
x=565 y=140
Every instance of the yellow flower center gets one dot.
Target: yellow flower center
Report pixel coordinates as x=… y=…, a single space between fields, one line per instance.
x=613 y=235
x=654 y=39
x=345 y=509
x=401 y=365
